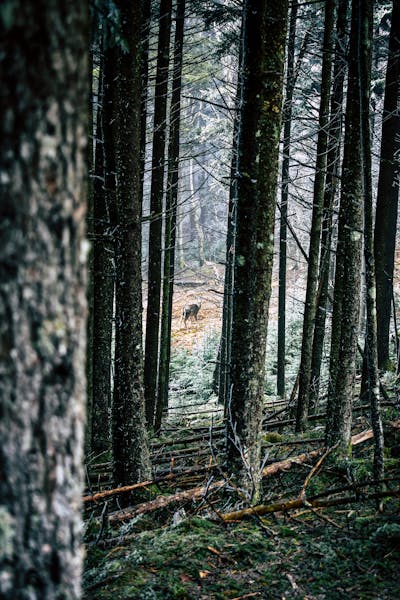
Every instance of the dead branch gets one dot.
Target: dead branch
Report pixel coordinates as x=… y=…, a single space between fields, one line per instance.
x=288 y=463
x=164 y=501
x=199 y=492
x=127 y=488
x=100 y=496
x=262 y=509
x=313 y=471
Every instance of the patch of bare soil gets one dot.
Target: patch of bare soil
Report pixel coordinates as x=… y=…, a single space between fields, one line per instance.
x=203 y=287
x=208 y=319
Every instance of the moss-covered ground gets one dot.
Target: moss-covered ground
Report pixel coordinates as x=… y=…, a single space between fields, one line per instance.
x=341 y=554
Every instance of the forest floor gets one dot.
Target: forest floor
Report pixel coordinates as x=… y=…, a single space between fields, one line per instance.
x=184 y=549
x=337 y=554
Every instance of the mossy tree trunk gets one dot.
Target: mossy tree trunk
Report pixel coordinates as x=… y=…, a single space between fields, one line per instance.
x=145 y=85
x=263 y=47
x=131 y=461
x=170 y=216
x=371 y=345
x=331 y=186
x=156 y=210
x=222 y=372
x=346 y=306
x=43 y=165
x=388 y=191
x=103 y=249
x=90 y=233
x=316 y=223
x=287 y=127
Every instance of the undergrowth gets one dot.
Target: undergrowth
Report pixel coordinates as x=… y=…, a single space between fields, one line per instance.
x=355 y=555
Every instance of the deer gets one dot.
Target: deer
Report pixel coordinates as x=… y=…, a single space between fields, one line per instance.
x=191 y=310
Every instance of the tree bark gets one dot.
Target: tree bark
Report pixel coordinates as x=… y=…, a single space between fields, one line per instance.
x=131 y=460
x=371 y=344
x=145 y=84
x=103 y=250
x=287 y=120
x=90 y=234
x=156 y=207
x=331 y=185
x=264 y=34
x=348 y=278
x=43 y=156
x=224 y=354
x=170 y=217
x=388 y=191
x=316 y=224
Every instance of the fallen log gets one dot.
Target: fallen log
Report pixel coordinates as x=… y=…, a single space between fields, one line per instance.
x=163 y=501
x=200 y=492
x=288 y=463
x=105 y=495
x=127 y=488
x=262 y=509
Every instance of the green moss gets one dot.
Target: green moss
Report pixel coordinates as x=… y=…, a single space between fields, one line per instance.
x=272 y=437
x=286 y=531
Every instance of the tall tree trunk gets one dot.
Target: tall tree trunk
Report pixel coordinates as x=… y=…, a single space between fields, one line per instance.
x=156 y=207
x=130 y=445
x=388 y=191
x=170 y=216
x=43 y=135
x=226 y=338
x=348 y=277
x=103 y=252
x=145 y=84
x=264 y=34
x=90 y=234
x=331 y=184
x=316 y=224
x=287 y=120
x=371 y=344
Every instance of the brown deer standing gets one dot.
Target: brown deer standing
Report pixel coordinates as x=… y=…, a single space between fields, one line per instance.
x=191 y=310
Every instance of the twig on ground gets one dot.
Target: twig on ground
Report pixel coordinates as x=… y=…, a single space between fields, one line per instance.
x=313 y=472
x=317 y=513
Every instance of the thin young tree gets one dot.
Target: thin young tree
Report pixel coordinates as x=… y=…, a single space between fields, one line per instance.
x=316 y=223
x=95 y=189
x=263 y=48
x=284 y=225
x=287 y=127
x=371 y=343
x=346 y=307
x=331 y=190
x=223 y=370
x=90 y=233
x=156 y=212
x=131 y=460
x=388 y=191
x=103 y=247
x=170 y=216
x=43 y=156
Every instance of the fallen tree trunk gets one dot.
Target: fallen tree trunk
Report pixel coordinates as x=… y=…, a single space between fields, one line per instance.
x=163 y=501
x=126 y=488
x=106 y=494
x=262 y=509
x=288 y=463
x=200 y=492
